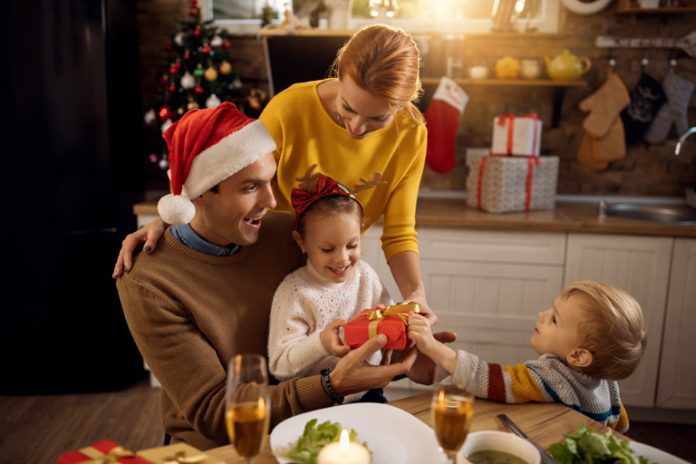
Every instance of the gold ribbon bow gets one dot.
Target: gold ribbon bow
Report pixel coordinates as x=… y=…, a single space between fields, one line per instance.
x=99 y=457
x=181 y=458
x=400 y=310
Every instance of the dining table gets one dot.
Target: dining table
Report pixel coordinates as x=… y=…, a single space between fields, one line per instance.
x=545 y=423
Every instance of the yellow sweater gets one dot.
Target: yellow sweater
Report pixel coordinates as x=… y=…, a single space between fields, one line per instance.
x=305 y=134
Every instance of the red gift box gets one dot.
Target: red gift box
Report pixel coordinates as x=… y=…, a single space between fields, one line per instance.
x=390 y=321
x=101 y=451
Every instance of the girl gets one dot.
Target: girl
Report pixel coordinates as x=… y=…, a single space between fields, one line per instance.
x=334 y=286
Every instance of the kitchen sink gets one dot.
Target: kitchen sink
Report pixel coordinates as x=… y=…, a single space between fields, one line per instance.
x=668 y=214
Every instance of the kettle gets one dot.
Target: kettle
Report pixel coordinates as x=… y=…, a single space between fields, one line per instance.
x=567 y=66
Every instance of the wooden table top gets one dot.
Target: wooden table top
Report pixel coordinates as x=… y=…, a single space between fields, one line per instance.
x=546 y=423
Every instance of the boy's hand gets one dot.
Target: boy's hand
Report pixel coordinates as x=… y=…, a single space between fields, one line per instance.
x=332 y=341
x=420 y=332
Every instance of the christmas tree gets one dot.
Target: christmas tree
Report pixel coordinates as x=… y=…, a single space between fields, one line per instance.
x=197 y=73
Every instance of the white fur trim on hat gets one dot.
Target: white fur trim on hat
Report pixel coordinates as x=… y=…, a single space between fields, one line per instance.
x=230 y=155
x=176 y=209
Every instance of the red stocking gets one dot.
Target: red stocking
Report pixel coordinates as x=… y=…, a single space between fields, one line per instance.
x=442 y=119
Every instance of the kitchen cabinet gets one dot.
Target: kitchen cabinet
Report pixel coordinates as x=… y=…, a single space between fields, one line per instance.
x=639 y=265
x=677 y=386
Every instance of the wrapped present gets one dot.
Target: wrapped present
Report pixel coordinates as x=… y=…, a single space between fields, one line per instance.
x=500 y=184
x=103 y=451
x=180 y=453
x=516 y=135
x=390 y=321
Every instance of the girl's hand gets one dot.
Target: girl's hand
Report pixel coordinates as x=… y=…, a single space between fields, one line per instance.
x=331 y=341
x=150 y=235
x=420 y=332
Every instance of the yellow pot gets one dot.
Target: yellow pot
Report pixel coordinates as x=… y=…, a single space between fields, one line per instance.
x=507 y=67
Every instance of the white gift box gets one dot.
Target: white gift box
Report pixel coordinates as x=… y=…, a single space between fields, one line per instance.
x=499 y=184
x=516 y=135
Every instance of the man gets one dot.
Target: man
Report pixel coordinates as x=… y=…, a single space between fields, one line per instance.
x=205 y=293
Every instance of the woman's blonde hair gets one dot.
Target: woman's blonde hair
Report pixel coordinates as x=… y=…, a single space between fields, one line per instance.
x=385 y=61
x=613 y=331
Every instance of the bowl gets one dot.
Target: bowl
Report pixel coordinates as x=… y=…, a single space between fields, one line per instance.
x=494 y=440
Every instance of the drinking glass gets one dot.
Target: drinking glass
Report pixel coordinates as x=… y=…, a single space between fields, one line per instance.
x=452 y=410
x=248 y=404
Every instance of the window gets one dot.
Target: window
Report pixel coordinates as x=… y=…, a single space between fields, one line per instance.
x=446 y=16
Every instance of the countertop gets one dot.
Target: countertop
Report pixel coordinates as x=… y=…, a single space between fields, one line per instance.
x=567 y=216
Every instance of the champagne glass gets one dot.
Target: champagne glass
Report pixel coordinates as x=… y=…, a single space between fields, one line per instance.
x=248 y=404
x=452 y=410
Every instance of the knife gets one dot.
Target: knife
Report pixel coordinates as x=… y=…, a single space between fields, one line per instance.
x=546 y=457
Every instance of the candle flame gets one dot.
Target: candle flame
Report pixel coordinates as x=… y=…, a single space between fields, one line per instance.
x=344 y=443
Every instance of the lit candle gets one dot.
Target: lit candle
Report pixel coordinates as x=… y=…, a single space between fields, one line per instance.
x=343 y=452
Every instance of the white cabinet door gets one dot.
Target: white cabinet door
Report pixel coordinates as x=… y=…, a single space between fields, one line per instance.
x=371 y=246
x=677 y=387
x=639 y=265
x=488 y=287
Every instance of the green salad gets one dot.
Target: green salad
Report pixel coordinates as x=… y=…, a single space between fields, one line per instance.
x=315 y=437
x=584 y=445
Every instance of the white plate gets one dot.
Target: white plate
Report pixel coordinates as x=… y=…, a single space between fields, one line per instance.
x=393 y=435
x=655 y=455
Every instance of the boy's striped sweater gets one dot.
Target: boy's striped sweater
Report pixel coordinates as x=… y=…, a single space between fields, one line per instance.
x=547 y=380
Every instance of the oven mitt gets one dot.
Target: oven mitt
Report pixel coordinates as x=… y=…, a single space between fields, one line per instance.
x=646 y=99
x=678 y=91
x=604 y=106
x=612 y=146
x=585 y=156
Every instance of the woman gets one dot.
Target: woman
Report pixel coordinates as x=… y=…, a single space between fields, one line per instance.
x=360 y=127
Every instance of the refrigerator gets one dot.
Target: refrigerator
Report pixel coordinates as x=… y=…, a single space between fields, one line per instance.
x=72 y=169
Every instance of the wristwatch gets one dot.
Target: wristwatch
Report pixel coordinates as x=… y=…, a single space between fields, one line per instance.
x=328 y=388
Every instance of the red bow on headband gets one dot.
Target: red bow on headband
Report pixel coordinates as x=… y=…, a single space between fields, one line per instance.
x=325 y=187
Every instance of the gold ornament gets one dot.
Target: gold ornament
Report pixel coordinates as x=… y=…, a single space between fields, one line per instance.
x=211 y=74
x=192 y=105
x=225 y=68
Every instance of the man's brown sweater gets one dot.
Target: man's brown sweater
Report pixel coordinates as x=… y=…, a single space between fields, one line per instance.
x=189 y=313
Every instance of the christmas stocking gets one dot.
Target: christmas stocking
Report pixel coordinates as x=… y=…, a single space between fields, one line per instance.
x=678 y=91
x=604 y=106
x=646 y=99
x=442 y=119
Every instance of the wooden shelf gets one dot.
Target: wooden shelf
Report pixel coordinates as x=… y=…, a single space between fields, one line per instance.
x=511 y=82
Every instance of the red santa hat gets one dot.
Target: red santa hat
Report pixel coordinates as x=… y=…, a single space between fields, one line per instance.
x=206 y=147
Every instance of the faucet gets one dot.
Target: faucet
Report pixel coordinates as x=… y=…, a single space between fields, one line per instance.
x=682 y=139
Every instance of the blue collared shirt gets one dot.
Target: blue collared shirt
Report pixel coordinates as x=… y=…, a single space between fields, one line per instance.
x=186 y=235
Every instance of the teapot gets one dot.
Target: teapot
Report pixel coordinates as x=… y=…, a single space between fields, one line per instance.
x=567 y=66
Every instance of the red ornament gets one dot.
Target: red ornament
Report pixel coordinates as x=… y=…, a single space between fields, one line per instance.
x=197 y=31
x=193 y=12
x=164 y=113
x=172 y=87
x=206 y=49
x=172 y=69
x=225 y=44
x=198 y=90
x=187 y=55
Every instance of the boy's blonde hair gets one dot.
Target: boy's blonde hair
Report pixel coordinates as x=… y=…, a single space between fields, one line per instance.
x=613 y=331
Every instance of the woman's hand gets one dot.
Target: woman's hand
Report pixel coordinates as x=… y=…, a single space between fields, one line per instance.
x=425 y=310
x=331 y=340
x=150 y=234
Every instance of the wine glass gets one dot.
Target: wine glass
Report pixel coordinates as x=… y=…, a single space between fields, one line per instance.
x=248 y=404
x=452 y=410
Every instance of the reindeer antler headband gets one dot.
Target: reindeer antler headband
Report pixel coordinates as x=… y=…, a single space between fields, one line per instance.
x=315 y=186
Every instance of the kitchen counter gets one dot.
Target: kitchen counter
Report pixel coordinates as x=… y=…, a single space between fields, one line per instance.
x=567 y=216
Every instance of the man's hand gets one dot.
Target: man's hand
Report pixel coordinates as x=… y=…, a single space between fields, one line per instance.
x=150 y=235
x=332 y=341
x=422 y=371
x=353 y=374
